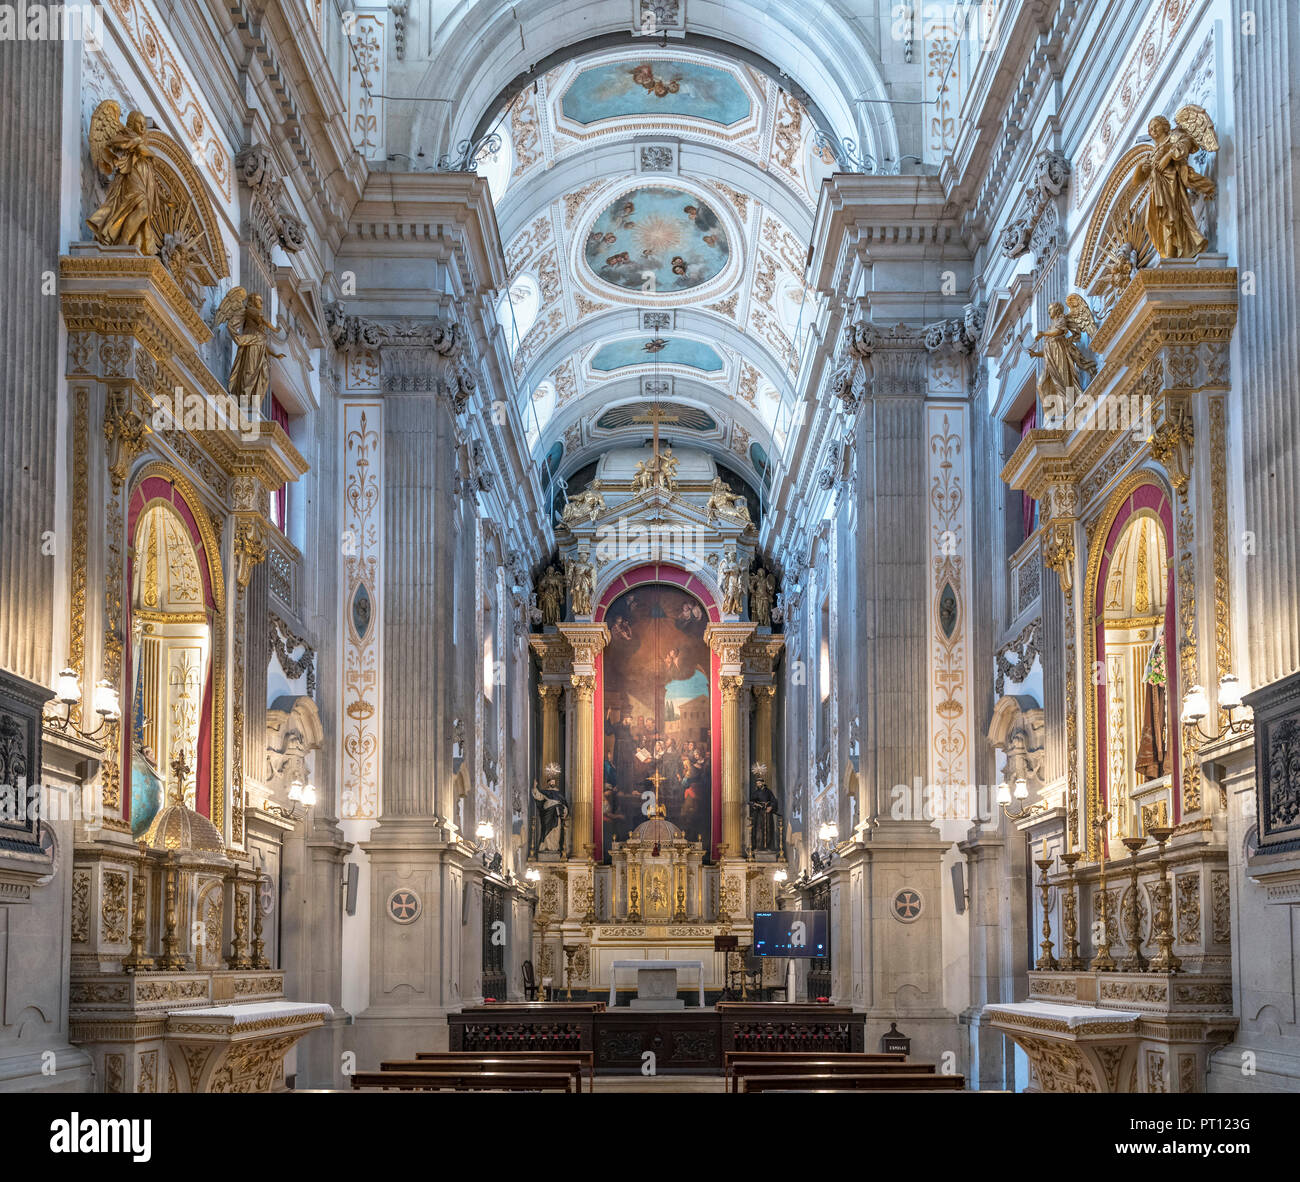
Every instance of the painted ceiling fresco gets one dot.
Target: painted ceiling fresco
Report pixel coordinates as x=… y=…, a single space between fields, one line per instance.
x=708 y=216
x=675 y=417
x=620 y=354
x=657 y=239
x=651 y=87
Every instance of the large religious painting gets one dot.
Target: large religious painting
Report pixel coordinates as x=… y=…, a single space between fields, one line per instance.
x=656 y=701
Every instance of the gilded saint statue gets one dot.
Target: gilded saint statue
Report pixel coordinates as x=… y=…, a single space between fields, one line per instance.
x=646 y=475
x=127 y=216
x=1165 y=178
x=581 y=578
x=732 y=583
x=1064 y=359
x=762 y=587
x=550 y=595
x=250 y=375
x=588 y=504
x=724 y=503
x=667 y=476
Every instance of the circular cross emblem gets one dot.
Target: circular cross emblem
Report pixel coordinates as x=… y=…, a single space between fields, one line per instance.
x=267 y=896
x=404 y=905
x=907 y=905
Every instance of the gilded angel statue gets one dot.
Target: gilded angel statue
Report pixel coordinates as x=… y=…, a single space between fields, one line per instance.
x=126 y=218
x=1166 y=178
x=1062 y=353
x=250 y=375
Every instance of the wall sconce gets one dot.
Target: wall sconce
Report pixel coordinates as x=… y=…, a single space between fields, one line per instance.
x=1006 y=793
x=828 y=831
x=532 y=874
x=779 y=876
x=104 y=701
x=1196 y=705
x=299 y=794
x=484 y=832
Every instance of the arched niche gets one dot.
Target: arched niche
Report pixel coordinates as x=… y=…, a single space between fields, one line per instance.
x=1132 y=725
x=293 y=733
x=174 y=649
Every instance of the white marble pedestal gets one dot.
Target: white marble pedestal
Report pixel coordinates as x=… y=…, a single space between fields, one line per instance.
x=656 y=989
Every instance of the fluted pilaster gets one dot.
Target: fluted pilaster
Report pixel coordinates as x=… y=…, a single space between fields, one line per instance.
x=1267 y=107
x=31 y=98
x=894 y=582
x=418 y=582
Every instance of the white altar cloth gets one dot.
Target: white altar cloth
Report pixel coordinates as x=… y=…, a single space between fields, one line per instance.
x=697 y=965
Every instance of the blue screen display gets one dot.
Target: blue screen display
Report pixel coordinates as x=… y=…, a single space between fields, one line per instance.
x=790 y=933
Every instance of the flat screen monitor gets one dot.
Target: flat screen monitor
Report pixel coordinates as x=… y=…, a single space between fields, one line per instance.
x=790 y=933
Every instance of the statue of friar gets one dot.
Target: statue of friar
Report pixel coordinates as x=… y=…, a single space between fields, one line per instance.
x=763 y=813
x=550 y=814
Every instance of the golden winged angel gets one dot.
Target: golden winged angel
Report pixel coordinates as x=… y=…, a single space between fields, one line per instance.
x=1167 y=179
x=126 y=217
x=250 y=375
x=1063 y=356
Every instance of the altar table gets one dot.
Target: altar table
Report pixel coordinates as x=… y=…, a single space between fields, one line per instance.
x=697 y=965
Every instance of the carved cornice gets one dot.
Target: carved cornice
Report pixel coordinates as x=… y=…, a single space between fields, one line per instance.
x=586 y=641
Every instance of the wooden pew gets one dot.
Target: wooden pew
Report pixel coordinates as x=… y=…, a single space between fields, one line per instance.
x=883 y=1082
x=468 y=1080
x=866 y=1058
x=815 y=1066
x=575 y=1064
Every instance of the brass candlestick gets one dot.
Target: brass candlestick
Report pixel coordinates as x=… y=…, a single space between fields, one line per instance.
x=570 y=951
x=238 y=958
x=1164 y=960
x=589 y=915
x=1047 y=962
x=259 y=947
x=1072 y=961
x=1102 y=961
x=137 y=961
x=1134 y=962
x=172 y=957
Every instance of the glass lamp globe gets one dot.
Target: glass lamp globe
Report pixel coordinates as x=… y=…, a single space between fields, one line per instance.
x=1021 y=788
x=1195 y=704
x=1229 y=692
x=68 y=688
x=105 y=700
x=309 y=794
x=1004 y=793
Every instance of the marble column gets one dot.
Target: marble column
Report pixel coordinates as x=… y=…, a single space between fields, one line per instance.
x=418 y=571
x=727 y=640
x=31 y=83
x=550 y=695
x=763 y=697
x=586 y=640
x=1266 y=97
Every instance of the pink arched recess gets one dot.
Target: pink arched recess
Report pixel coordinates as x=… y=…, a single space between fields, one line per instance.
x=657 y=572
x=147 y=492
x=1153 y=499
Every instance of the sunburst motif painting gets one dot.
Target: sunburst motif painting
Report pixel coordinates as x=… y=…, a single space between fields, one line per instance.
x=657 y=239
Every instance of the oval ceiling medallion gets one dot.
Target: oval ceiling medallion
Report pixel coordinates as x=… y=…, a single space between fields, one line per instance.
x=657 y=239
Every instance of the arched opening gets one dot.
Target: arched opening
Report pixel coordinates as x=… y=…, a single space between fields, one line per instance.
x=1134 y=721
x=174 y=654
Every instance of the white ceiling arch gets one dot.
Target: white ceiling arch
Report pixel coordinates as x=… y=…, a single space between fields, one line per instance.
x=658 y=193
x=820 y=48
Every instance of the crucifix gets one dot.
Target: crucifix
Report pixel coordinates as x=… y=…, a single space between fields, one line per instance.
x=656 y=778
x=656 y=415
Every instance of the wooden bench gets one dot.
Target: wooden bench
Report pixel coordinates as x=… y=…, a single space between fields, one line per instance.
x=867 y=1059
x=574 y=1063
x=468 y=1080
x=882 y=1082
x=745 y=1071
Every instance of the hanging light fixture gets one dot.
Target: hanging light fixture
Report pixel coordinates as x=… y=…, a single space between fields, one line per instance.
x=1196 y=707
